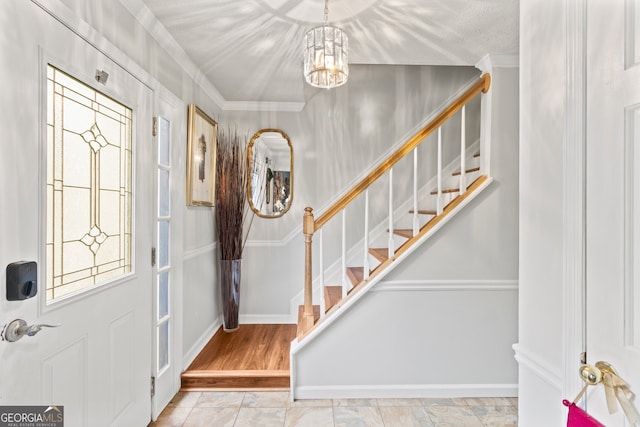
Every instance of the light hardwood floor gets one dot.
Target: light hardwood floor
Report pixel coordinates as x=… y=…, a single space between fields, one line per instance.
x=253 y=357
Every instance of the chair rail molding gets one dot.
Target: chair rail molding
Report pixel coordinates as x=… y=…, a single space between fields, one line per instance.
x=540 y=368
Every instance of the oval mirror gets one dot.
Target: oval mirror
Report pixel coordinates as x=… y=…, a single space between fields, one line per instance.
x=270 y=169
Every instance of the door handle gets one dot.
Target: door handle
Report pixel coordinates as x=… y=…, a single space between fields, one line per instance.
x=18 y=328
x=616 y=390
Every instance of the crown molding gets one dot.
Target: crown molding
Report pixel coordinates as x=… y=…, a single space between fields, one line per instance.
x=490 y=61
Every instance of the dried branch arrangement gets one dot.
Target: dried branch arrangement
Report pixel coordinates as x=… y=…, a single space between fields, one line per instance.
x=232 y=208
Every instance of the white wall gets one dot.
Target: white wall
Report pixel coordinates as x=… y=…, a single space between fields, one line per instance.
x=336 y=139
x=443 y=322
x=543 y=104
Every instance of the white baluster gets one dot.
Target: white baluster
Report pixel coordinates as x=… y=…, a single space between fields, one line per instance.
x=345 y=279
x=366 y=235
x=391 y=241
x=463 y=149
x=416 y=225
x=321 y=247
x=439 y=200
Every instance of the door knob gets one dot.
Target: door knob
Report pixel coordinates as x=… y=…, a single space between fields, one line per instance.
x=18 y=328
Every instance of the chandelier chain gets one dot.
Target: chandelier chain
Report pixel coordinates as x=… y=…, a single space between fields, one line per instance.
x=326 y=11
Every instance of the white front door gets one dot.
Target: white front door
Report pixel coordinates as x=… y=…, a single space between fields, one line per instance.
x=613 y=194
x=76 y=189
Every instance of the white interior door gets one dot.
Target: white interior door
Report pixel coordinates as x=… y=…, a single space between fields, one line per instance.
x=613 y=194
x=167 y=291
x=77 y=200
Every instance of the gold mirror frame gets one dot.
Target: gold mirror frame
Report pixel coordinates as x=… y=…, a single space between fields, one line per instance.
x=270 y=181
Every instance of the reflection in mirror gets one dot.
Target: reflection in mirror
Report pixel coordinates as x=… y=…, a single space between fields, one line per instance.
x=270 y=168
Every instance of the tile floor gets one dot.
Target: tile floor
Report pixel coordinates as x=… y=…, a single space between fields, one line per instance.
x=267 y=409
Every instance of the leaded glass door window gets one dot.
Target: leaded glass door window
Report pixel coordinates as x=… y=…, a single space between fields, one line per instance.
x=89 y=187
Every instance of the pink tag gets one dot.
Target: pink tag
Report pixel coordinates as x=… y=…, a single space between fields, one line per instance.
x=578 y=418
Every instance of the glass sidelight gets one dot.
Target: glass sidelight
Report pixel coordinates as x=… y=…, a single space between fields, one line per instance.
x=163 y=242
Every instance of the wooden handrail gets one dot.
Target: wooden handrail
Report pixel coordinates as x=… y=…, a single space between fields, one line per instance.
x=482 y=85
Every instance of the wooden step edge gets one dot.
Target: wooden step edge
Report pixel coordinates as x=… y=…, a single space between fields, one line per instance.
x=305 y=323
x=423 y=212
x=274 y=373
x=477 y=154
x=466 y=171
x=355 y=275
x=407 y=233
x=447 y=190
x=235 y=380
x=381 y=254
x=332 y=296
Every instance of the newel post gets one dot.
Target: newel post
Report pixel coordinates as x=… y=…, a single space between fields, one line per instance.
x=308 y=227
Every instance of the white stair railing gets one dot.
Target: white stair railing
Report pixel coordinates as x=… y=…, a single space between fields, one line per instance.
x=463 y=150
x=365 y=262
x=311 y=225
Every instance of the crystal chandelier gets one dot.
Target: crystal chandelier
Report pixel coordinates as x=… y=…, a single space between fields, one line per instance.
x=326 y=52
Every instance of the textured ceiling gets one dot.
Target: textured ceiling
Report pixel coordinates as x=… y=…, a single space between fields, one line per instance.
x=250 y=50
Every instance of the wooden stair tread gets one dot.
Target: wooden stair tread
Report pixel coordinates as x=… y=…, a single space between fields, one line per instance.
x=446 y=190
x=477 y=154
x=467 y=171
x=404 y=232
x=355 y=274
x=305 y=323
x=423 y=212
x=381 y=254
x=332 y=296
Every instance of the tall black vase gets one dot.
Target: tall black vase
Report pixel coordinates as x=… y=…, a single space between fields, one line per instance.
x=230 y=289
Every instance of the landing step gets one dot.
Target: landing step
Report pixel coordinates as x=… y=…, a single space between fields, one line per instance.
x=249 y=379
x=423 y=212
x=381 y=254
x=332 y=296
x=466 y=171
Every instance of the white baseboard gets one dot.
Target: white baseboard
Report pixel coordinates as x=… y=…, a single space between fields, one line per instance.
x=196 y=348
x=267 y=319
x=405 y=391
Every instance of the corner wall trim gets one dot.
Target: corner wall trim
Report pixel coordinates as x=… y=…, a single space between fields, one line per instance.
x=406 y=391
x=540 y=368
x=197 y=347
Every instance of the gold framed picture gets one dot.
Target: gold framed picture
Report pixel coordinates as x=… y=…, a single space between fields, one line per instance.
x=201 y=158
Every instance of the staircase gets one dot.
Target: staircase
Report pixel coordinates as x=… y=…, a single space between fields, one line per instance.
x=431 y=206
